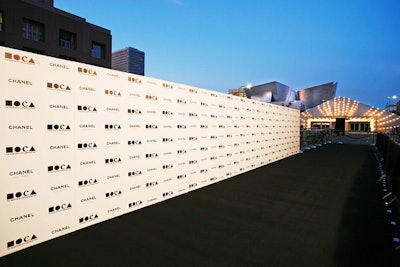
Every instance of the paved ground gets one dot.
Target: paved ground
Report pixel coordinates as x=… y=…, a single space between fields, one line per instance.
x=319 y=208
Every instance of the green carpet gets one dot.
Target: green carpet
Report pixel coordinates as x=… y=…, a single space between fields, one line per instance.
x=320 y=208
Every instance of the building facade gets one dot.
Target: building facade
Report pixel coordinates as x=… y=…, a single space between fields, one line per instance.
x=241 y=92
x=37 y=26
x=398 y=108
x=128 y=60
x=272 y=92
x=347 y=115
x=281 y=94
x=316 y=95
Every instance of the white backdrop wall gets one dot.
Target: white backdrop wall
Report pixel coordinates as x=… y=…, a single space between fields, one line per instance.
x=82 y=144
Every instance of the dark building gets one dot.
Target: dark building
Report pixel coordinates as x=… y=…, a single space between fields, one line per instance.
x=37 y=26
x=128 y=60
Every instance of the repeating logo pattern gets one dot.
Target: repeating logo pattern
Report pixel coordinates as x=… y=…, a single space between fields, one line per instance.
x=81 y=147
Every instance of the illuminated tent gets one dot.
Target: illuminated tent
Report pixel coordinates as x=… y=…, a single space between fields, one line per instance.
x=353 y=115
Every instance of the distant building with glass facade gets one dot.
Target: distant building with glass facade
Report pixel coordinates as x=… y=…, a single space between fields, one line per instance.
x=128 y=60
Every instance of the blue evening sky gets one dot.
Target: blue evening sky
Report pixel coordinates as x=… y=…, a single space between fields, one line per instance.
x=224 y=44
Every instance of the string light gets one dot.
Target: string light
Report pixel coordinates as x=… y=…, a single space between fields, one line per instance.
x=352 y=110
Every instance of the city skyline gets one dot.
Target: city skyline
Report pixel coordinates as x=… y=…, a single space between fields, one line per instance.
x=221 y=45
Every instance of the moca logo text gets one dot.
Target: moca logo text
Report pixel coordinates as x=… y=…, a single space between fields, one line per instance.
x=112 y=127
x=134 y=111
x=134 y=173
x=58 y=127
x=58 y=168
x=135 y=204
x=88 y=218
x=21 y=195
x=21 y=241
x=20 y=150
x=19 y=104
x=87 y=182
x=87 y=71
x=19 y=58
x=113 y=160
x=87 y=145
x=113 y=194
x=134 y=80
x=58 y=208
x=58 y=86
x=87 y=108
x=112 y=93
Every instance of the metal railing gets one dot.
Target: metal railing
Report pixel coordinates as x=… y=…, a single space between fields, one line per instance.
x=313 y=138
x=395 y=135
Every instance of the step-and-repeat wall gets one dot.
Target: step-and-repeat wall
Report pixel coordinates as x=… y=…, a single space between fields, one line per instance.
x=82 y=144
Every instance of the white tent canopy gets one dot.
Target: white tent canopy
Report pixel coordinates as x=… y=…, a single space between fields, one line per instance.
x=353 y=112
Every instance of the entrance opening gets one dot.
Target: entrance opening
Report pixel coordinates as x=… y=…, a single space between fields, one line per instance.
x=339 y=125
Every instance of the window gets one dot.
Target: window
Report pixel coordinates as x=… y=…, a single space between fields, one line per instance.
x=33 y=30
x=98 y=50
x=67 y=39
x=360 y=126
x=320 y=125
x=1 y=21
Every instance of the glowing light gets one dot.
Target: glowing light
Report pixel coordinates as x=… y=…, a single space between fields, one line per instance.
x=353 y=111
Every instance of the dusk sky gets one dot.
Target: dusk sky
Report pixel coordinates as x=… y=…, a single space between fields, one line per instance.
x=224 y=44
